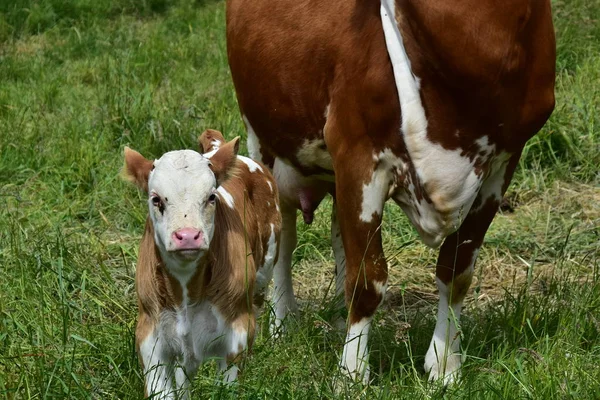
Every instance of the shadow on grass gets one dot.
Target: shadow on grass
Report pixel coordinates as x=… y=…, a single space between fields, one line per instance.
x=528 y=323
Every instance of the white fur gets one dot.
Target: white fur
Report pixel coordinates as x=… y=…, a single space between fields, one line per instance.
x=185 y=205
x=253 y=166
x=210 y=153
x=225 y=195
x=381 y=288
x=443 y=359
x=494 y=182
x=265 y=272
x=377 y=190
x=157 y=372
x=253 y=143
x=188 y=335
x=355 y=357
x=270 y=186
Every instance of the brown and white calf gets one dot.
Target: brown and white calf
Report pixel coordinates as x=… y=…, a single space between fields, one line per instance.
x=209 y=246
x=426 y=102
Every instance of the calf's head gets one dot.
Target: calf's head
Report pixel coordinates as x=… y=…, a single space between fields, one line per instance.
x=181 y=188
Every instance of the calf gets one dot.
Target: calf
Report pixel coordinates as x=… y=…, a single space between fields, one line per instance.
x=210 y=242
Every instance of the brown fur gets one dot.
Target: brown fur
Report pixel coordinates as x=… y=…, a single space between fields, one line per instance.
x=483 y=72
x=136 y=168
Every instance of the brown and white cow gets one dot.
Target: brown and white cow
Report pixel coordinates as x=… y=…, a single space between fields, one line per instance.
x=210 y=243
x=426 y=102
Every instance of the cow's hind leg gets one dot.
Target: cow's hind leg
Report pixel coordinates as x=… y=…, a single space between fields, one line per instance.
x=454 y=272
x=282 y=297
x=340 y=269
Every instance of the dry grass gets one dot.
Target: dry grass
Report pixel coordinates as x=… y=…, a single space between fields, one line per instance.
x=537 y=224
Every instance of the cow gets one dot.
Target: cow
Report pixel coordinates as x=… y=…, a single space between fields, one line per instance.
x=427 y=102
x=208 y=249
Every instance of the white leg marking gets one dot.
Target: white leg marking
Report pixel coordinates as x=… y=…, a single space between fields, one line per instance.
x=355 y=357
x=443 y=359
x=265 y=272
x=253 y=142
x=183 y=381
x=378 y=190
x=340 y=267
x=374 y=194
x=237 y=341
x=158 y=368
x=381 y=288
x=284 y=301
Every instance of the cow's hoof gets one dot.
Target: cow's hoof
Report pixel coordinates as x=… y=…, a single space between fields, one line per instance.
x=347 y=381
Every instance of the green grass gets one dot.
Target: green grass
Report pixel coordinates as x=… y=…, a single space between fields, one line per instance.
x=81 y=79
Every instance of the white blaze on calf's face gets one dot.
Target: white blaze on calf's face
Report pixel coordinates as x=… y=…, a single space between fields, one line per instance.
x=181 y=194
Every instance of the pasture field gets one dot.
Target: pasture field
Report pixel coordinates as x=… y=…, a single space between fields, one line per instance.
x=80 y=79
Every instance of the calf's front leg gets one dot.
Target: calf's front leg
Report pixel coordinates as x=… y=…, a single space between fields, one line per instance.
x=156 y=361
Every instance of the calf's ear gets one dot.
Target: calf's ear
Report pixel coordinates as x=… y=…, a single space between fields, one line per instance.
x=222 y=163
x=210 y=140
x=137 y=168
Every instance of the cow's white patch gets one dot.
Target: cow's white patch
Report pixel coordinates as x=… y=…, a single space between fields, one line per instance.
x=493 y=184
x=225 y=195
x=355 y=357
x=314 y=153
x=270 y=186
x=378 y=189
x=448 y=177
x=253 y=143
x=486 y=149
x=253 y=166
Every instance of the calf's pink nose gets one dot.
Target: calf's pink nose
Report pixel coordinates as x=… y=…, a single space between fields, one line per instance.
x=188 y=239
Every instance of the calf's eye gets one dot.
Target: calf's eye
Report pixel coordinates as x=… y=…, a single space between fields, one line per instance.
x=212 y=198
x=157 y=202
